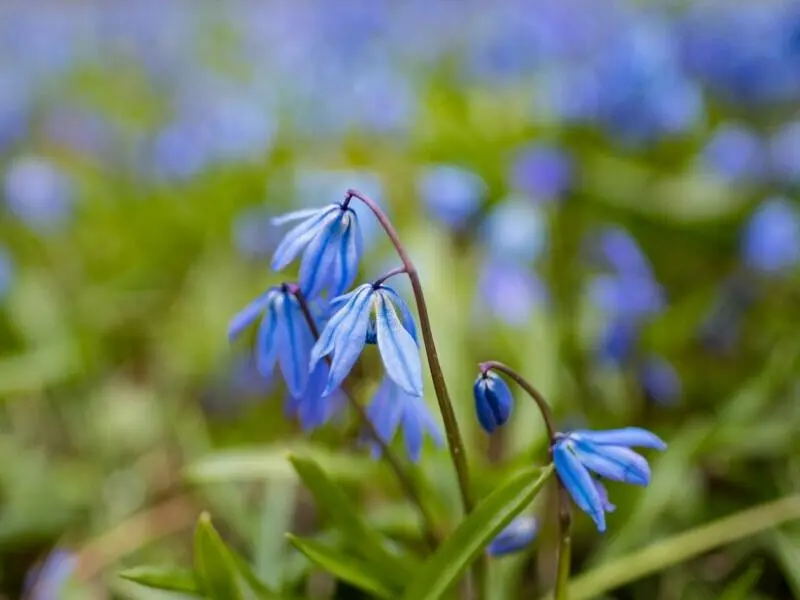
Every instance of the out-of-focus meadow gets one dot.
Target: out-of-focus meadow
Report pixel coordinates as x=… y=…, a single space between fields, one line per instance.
x=602 y=194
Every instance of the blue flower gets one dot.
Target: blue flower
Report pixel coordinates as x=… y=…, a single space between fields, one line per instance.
x=312 y=408
x=771 y=239
x=785 y=153
x=606 y=453
x=38 y=193
x=332 y=242
x=618 y=342
x=509 y=291
x=283 y=336
x=391 y=408
x=631 y=297
x=493 y=401
x=515 y=229
x=452 y=194
x=348 y=330
x=659 y=380
x=735 y=153
x=6 y=273
x=48 y=580
x=515 y=537
x=620 y=252
x=542 y=172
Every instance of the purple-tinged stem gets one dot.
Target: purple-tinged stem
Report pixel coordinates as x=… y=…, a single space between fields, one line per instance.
x=388 y=275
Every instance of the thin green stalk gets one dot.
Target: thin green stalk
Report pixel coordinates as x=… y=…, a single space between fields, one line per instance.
x=454 y=441
x=684 y=546
x=405 y=479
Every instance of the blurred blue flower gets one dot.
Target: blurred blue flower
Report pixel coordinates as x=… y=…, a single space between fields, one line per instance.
x=283 y=336
x=452 y=194
x=509 y=291
x=254 y=235
x=391 y=408
x=517 y=536
x=542 y=172
x=493 y=401
x=785 y=153
x=619 y=251
x=48 y=580
x=618 y=341
x=659 y=380
x=6 y=273
x=345 y=335
x=735 y=153
x=623 y=296
x=332 y=242
x=606 y=453
x=515 y=229
x=15 y=104
x=313 y=408
x=771 y=238
x=38 y=193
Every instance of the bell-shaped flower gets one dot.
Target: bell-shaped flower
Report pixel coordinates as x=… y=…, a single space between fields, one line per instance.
x=493 y=401
x=771 y=238
x=311 y=408
x=606 y=453
x=331 y=243
x=517 y=536
x=283 y=336
x=348 y=330
x=393 y=408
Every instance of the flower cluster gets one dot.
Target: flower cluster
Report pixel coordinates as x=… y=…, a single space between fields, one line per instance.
x=314 y=363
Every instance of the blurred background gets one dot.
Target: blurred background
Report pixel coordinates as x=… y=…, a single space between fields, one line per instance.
x=601 y=193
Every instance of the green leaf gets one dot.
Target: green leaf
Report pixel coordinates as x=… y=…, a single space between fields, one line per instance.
x=276 y=511
x=347 y=568
x=786 y=546
x=215 y=566
x=163 y=578
x=343 y=513
x=459 y=550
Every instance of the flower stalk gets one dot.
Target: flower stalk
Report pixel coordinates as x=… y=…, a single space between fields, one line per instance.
x=564 y=508
x=406 y=481
x=455 y=442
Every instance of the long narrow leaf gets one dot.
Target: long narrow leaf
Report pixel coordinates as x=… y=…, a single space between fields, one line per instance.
x=458 y=551
x=215 y=567
x=343 y=514
x=163 y=578
x=347 y=568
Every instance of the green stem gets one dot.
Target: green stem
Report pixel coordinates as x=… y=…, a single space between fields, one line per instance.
x=564 y=507
x=684 y=546
x=452 y=431
x=406 y=481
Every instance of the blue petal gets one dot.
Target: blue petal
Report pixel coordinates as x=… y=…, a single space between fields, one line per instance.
x=385 y=412
x=603 y=492
x=416 y=422
x=613 y=462
x=327 y=337
x=295 y=342
x=405 y=313
x=297 y=238
x=578 y=483
x=399 y=352
x=313 y=409
x=349 y=337
x=347 y=255
x=515 y=537
x=627 y=436
x=267 y=343
x=249 y=314
x=297 y=215
x=318 y=265
x=493 y=401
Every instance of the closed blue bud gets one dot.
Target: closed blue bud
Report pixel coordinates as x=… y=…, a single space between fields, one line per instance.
x=771 y=239
x=393 y=408
x=607 y=454
x=283 y=336
x=331 y=243
x=349 y=329
x=493 y=401
x=517 y=536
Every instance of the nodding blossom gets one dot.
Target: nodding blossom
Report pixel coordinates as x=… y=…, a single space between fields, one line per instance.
x=517 y=536
x=493 y=401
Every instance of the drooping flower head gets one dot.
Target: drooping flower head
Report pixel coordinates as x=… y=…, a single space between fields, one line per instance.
x=771 y=238
x=371 y=307
x=493 y=401
x=283 y=336
x=331 y=243
x=515 y=537
x=312 y=409
x=393 y=408
x=607 y=454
